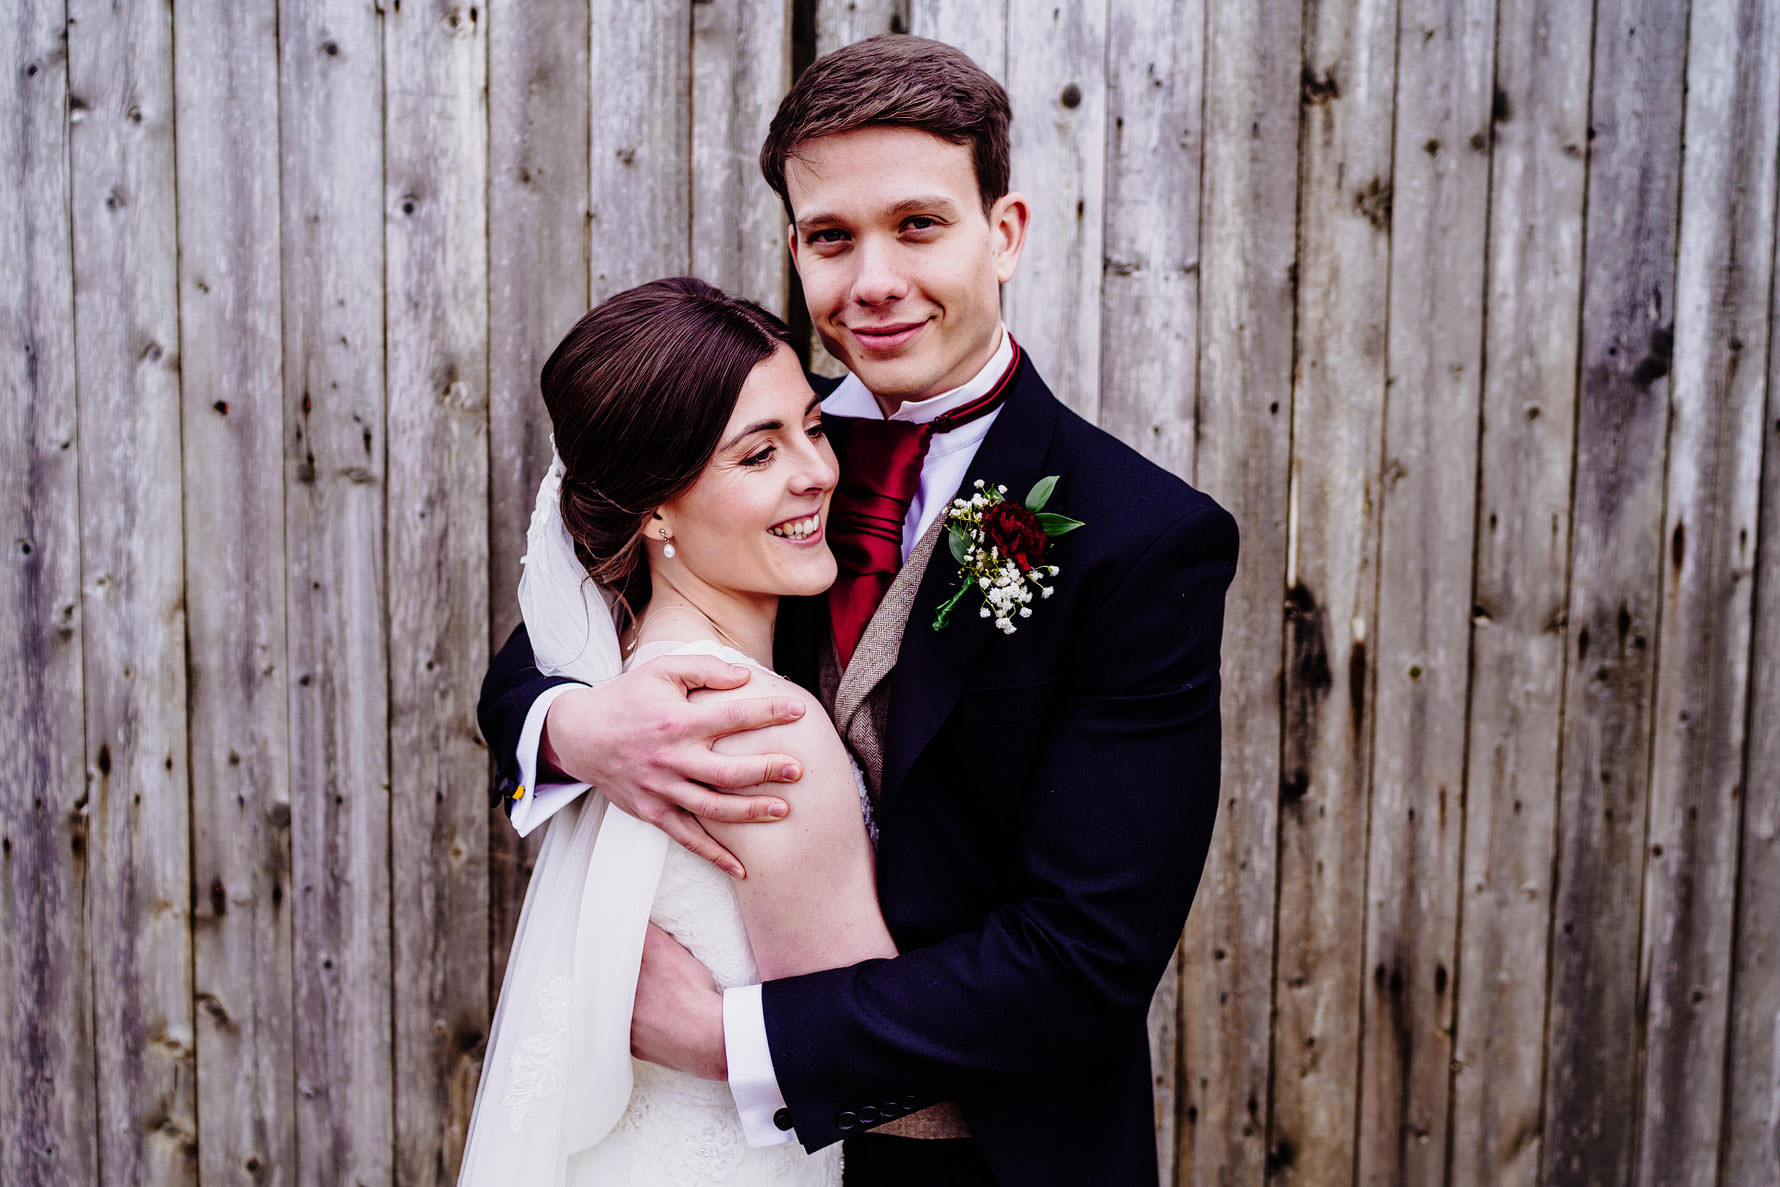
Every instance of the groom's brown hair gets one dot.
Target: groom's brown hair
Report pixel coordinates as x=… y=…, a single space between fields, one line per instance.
x=902 y=81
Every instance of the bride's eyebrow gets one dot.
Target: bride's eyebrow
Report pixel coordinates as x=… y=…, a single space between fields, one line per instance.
x=766 y=426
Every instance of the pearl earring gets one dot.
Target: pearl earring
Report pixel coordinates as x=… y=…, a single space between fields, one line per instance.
x=668 y=549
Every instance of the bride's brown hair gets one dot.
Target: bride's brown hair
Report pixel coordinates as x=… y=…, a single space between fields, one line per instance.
x=639 y=393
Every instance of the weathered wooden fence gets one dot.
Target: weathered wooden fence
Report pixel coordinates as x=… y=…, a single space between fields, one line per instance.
x=1462 y=306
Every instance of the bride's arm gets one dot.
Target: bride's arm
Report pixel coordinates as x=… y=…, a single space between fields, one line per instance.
x=810 y=899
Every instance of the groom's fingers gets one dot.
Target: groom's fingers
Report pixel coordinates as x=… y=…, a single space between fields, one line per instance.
x=700 y=671
x=684 y=830
x=739 y=716
x=728 y=808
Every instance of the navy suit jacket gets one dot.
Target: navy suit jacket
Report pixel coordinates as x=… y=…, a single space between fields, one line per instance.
x=1047 y=805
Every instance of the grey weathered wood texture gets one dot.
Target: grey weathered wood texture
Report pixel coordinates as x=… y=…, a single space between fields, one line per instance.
x=436 y=322
x=1537 y=134
x=1439 y=197
x=46 y=1043
x=132 y=617
x=1722 y=286
x=226 y=83
x=538 y=239
x=1463 y=307
x=1244 y=377
x=1752 y=1082
x=1056 y=77
x=331 y=138
x=1595 y=1009
x=1338 y=403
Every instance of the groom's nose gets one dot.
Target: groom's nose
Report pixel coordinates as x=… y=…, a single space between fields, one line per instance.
x=879 y=279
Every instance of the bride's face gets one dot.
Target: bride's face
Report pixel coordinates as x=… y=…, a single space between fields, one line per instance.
x=755 y=522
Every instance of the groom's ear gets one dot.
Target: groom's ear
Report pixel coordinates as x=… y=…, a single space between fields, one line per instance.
x=1008 y=220
x=791 y=239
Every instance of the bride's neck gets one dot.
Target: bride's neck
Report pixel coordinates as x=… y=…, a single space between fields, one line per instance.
x=683 y=615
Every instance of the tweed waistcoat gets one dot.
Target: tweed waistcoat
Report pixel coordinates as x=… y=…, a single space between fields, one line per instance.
x=859 y=699
x=859 y=702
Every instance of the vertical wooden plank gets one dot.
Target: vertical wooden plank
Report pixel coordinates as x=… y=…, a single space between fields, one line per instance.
x=1248 y=215
x=741 y=67
x=1628 y=310
x=640 y=159
x=1150 y=327
x=979 y=29
x=1163 y=1023
x=842 y=22
x=1722 y=284
x=126 y=305
x=1539 y=131
x=226 y=83
x=539 y=219
x=436 y=304
x=331 y=138
x=1331 y=576
x=1150 y=291
x=1752 y=1080
x=1056 y=79
x=46 y=1040
x=1439 y=212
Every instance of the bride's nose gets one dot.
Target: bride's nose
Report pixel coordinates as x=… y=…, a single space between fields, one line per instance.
x=816 y=469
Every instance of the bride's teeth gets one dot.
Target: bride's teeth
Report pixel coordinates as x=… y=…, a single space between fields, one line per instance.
x=800 y=529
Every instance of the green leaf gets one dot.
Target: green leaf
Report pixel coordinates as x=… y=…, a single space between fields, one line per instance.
x=1041 y=493
x=1057 y=525
x=959 y=540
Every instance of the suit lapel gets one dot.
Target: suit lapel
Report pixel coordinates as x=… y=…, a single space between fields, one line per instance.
x=932 y=665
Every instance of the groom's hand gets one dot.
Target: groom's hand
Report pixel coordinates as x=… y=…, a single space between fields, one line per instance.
x=648 y=748
x=678 y=1020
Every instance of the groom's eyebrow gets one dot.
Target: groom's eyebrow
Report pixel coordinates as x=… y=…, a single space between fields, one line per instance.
x=766 y=426
x=937 y=204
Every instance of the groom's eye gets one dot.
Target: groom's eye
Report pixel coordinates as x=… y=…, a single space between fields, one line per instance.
x=815 y=430
x=827 y=235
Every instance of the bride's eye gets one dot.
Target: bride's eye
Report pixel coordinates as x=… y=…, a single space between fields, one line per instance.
x=759 y=457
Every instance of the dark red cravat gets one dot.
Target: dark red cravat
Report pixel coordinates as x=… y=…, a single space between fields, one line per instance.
x=880 y=462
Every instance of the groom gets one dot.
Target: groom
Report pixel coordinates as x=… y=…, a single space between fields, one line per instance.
x=1045 y=797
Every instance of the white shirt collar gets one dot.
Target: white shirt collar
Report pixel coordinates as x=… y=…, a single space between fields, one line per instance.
x=851 y=397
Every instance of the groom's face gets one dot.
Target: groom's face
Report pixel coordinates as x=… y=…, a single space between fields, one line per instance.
x=901 y=266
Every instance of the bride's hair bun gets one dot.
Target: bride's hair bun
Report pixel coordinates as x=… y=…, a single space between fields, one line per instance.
x=639 y=393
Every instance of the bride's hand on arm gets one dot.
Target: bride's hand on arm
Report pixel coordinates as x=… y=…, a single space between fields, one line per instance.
x=644 y=743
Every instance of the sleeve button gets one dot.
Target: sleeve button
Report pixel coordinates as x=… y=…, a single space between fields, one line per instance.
x=846 y=1122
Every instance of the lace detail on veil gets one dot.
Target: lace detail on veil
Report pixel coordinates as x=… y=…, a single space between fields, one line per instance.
x=540 y=1065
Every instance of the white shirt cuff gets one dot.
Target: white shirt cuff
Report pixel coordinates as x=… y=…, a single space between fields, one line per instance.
x=751 y=1078
x=539 y=804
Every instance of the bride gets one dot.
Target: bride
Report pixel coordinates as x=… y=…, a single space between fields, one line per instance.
x=689 y=494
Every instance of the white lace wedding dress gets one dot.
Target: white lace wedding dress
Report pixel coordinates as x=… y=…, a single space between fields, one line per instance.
x=675 y=1129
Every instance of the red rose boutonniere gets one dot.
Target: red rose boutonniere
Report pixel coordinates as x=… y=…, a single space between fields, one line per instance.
x=1001 y=549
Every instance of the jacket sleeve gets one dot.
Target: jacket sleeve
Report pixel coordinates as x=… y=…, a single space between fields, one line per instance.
x=513 y=682
x=1105 y=857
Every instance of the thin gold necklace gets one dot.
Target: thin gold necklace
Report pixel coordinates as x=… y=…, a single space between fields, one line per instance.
x=687 y=605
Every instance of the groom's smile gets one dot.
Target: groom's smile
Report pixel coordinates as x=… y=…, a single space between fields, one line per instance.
x=901 y=266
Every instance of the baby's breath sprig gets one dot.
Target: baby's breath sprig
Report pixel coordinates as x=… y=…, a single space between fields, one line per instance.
x=1001 y=549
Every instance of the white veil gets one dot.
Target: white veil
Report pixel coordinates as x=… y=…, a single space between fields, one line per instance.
x=557 y=1074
